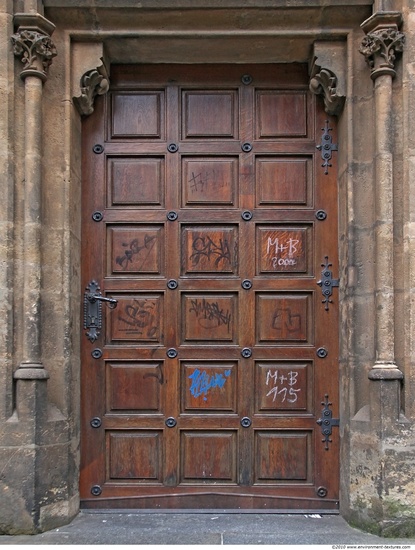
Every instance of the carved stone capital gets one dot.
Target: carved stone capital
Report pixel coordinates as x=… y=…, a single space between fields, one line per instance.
x=383 y=41
x=33 y=44
x=327 y=74
x=36 y=51
x=90 y=77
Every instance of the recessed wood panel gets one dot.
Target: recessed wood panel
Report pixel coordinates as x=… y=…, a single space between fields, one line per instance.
x=134 y=387
x=210 y=114
x=209 y=386
x=135 y=455
x=137 y=318
x=136 y=249
x=209 y=250
x=209 y=317
x=283 y=386
x=282 y=456
x=208 y=456
x=138 y=115
x=283 y=182
x=209 y=181
x=283 y=249
x=281 y=114
x=136 y=181
x=284 y=318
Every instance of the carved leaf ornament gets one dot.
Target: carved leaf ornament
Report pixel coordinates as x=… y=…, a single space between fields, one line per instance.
x=382 y=42
x=92 y=84
x=325 y=83
x=35 y=49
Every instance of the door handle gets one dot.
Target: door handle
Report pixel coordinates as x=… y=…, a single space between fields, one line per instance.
x=112 y=302
x=93 y=309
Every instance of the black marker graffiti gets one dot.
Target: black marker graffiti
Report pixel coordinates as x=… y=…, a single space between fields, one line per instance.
x=205 y=247
x=200 y=182
x=209 y=314
x=134 y=248
x=141 y=316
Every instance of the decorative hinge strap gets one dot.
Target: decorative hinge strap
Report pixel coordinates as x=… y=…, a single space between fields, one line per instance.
x=327 y=283
x=327 y=422
x=326 y=147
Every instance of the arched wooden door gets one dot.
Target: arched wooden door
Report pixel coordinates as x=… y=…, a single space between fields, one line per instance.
x=207 y=214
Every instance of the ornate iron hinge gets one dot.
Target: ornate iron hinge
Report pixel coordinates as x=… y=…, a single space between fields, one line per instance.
x=327 y=283
x=326 y=147
x=327 y=422
x=93 y=309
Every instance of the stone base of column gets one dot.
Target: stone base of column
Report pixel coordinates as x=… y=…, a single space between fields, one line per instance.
x=31 y=392
x=34 y=495
x=385 y=399
x=382 y=469
x=31 y=371
x=38 y=458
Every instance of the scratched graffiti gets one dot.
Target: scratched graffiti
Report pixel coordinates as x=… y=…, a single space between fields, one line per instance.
x=140 y=318
x=284 y=321
x=283 y=386
x=283 y=251
x=209 y=314
x=202 y=382
x=207 y=248
x=204 y=180
x=136 y=249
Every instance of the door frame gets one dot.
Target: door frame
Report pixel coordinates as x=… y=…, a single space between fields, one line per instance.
x=96 y=60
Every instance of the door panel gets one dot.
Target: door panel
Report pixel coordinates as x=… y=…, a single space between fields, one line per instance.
x=204 y=386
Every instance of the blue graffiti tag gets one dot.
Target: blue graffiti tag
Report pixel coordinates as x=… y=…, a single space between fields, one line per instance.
x=202 y=382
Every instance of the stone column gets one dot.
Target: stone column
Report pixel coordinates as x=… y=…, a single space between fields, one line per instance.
x=381 y=45
x=33 y=45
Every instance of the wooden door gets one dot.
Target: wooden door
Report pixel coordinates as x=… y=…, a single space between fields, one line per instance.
x=207 y=214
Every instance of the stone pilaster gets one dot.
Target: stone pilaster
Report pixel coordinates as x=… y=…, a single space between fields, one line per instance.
x=33 y=495
x=378 y=430
x=33 y=45
x=381 y=45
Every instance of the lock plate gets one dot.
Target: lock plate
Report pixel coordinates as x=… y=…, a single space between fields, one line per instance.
x=92 y=312
x=93 y=299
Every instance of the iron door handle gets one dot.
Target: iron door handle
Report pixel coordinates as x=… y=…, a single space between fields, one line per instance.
x=112 y=302
x=93 y=309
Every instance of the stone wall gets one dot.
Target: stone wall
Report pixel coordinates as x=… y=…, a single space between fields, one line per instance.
x=39 y=391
